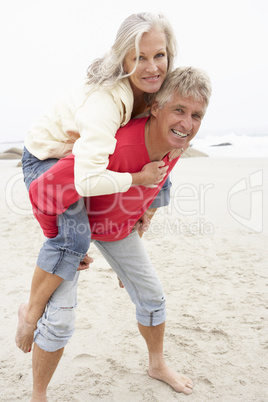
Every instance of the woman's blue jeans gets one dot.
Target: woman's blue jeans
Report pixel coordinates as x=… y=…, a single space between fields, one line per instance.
x=62 y=255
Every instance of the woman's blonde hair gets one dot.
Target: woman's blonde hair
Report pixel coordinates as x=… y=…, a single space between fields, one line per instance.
x=108 y=70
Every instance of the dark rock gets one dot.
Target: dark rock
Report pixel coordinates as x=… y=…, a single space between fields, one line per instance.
x=14 y=150
x=9 y=155
x=223 y=144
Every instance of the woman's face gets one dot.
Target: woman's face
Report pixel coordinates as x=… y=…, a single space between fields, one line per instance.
x=152 y=66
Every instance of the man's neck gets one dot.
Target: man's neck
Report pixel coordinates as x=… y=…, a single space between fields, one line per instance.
x=152 y=144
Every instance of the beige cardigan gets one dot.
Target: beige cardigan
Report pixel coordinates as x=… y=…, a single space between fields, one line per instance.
x=85 y=122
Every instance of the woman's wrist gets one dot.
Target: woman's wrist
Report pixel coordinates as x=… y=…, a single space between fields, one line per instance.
x=137 y=179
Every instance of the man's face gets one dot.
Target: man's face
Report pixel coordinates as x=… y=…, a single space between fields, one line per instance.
x=178 y=121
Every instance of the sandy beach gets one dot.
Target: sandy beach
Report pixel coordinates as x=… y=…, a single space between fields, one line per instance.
x=210 y=250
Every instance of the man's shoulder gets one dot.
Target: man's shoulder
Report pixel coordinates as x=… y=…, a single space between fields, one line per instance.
x=132 y=132
x=134 y=123
x=130 y=152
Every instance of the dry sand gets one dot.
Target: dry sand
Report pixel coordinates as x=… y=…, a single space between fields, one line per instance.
x=210 y=250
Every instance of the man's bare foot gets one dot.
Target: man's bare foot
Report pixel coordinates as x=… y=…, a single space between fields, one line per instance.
x=38 y=397
x=178 y=382
x=25 y=330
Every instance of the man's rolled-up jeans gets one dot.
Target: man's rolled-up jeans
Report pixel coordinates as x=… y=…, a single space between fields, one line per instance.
x=131 y=263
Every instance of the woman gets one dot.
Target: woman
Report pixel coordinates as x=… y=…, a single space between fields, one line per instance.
x=84 y=122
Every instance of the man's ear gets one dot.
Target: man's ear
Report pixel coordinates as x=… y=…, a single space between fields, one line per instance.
x=154 y=108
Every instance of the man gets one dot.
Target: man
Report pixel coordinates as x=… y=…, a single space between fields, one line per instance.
x=176 y=116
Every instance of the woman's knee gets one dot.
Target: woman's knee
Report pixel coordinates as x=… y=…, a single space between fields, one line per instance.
x=81 y=236
x=74 y=228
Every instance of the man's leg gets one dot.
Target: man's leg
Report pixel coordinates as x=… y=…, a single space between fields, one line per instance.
x=154 y=338
x=131 y=263
x=54 y=329
x=142 y=226
x=44 y=366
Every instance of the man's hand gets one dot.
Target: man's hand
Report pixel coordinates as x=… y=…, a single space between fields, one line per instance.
x=85 y=263
x=144 y=222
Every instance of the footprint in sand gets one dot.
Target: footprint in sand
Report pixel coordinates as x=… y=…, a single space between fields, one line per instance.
x=83 y=359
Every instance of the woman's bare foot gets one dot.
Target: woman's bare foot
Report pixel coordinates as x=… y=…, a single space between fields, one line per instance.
x=25 y=330
x=178 y=382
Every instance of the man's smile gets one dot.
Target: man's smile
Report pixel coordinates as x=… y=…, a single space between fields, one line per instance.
x=179 y=134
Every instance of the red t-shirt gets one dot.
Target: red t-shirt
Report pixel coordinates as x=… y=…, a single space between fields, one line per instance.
x=112 y=216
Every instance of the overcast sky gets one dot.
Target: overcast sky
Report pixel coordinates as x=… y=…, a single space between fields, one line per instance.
x=47 y=45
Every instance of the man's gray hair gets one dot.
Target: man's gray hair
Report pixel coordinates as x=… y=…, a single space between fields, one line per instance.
x=187 y=82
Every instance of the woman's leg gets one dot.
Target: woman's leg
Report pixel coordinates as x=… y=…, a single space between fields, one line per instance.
x=42 y=287
x=59 y=258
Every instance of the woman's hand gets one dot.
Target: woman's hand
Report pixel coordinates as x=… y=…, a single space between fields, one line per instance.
x=150 y=175
x=85 y=263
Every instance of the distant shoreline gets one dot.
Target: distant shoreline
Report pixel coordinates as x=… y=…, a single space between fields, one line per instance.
x=240 y=145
